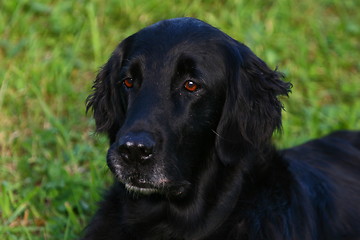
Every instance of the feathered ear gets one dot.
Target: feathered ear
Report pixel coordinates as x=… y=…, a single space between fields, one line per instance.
x=105 y=101
x=252 y=111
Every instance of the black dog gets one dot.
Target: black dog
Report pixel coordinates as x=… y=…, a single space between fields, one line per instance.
x=190 y=113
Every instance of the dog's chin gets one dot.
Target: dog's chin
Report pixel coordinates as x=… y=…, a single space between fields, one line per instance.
x=145 y=189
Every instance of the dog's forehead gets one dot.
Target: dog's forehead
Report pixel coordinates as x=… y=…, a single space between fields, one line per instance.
x=176 y=47
x=168 y=41
x=173 y=34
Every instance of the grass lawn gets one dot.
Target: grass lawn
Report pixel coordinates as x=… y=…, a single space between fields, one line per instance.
x=53 y=167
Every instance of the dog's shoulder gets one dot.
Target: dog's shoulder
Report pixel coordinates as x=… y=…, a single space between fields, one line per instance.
x=327 y=171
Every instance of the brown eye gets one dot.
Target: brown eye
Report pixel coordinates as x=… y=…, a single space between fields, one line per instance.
x=128 y=82
x=191 y=86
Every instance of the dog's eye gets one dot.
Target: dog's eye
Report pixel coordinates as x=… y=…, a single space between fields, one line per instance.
x=128 y=82
x=191 y=86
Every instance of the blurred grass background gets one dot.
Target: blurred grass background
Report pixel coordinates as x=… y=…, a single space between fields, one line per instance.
x=53 y=167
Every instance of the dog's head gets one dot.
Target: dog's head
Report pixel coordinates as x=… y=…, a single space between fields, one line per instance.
x=176 y=94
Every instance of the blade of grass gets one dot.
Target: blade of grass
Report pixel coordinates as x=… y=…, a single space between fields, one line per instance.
x=95 y=34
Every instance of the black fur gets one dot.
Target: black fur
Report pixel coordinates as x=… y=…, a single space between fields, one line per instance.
x=198 y=163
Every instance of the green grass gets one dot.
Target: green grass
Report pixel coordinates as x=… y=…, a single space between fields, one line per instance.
x=52 y=165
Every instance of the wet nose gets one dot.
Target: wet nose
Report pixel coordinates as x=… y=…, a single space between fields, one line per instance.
x=136 y=146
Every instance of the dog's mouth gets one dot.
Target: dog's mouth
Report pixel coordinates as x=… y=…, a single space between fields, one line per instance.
x=141 y=190
x=142 y=187
x=138 y=182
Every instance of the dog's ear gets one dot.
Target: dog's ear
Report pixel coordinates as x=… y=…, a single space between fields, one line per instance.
x=252 y=110
x=106 y=102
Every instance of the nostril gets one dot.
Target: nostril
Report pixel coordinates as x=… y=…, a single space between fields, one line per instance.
x=124 y=151
x=145 y=150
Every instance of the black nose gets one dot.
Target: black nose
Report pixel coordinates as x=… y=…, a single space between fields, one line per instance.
x=136 y=146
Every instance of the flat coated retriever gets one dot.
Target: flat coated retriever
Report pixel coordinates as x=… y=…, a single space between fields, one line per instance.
x=190 y=112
